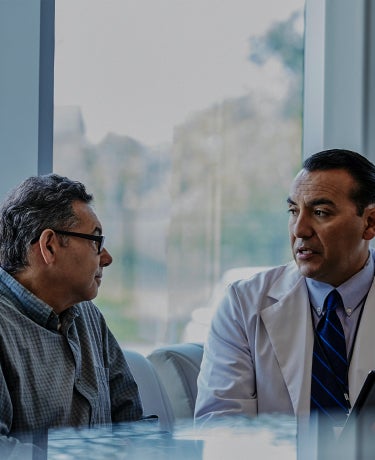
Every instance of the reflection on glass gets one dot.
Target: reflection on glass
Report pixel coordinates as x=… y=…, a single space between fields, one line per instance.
x=184 y=120
x=266 y=437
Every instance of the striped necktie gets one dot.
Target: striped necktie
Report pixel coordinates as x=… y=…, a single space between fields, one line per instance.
x=329 y=381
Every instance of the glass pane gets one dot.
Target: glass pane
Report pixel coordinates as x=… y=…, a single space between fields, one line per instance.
x=183 y=117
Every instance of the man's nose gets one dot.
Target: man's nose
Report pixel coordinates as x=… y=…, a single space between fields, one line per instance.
x=105 y=258
x=302 y=227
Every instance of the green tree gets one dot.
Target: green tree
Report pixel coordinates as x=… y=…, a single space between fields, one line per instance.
x=284 y=41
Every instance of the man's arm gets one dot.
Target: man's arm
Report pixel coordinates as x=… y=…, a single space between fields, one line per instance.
x=126 y=403
x=226 y=383
x=10 y=447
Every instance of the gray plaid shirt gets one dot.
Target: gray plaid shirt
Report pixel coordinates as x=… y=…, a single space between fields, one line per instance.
x=59 y=371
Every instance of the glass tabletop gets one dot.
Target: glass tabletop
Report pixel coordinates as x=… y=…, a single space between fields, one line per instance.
x=236 y=439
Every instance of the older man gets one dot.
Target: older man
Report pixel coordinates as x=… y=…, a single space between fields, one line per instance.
x=59 y=363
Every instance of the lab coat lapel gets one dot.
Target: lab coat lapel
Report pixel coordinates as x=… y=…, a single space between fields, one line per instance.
x=363 y=359
x=288 y=324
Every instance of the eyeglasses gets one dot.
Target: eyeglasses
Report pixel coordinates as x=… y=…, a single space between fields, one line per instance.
x=98 y=238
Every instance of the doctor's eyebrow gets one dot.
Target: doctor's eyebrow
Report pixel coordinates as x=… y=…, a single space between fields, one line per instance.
x=312 y=203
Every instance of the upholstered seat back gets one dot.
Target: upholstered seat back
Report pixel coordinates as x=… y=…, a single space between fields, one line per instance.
x=178 y=367
x=153 y=394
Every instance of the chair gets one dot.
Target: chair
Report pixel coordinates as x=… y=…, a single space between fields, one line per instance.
x=178 y=366
x=154 y=397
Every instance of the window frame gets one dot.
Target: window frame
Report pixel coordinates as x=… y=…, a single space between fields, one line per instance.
x=26 y=89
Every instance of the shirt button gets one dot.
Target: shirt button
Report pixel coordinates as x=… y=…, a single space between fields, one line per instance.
x=348 y=311
x=319 y=310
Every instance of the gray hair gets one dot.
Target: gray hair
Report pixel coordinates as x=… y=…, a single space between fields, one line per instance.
x=38 y=203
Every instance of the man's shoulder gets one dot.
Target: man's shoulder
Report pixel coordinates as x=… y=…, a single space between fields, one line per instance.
x=285 y=275
x=267 y=287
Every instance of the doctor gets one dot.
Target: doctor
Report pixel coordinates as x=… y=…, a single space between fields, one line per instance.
x=259 y=354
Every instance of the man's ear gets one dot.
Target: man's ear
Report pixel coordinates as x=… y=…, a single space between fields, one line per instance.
x=369 y=231
x=48 y=243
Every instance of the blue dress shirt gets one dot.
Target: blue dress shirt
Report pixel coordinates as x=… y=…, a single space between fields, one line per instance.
x=353 y=293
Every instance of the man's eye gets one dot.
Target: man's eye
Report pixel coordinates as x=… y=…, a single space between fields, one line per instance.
x=292 y=211
x=320 y=213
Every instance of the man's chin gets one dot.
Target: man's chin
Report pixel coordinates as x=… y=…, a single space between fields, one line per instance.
x=92 y=294
x=308 y=271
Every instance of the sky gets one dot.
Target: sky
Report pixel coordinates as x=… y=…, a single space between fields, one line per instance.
x=141 y=67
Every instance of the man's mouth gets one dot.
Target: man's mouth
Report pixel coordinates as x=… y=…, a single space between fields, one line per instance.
x=304 y=251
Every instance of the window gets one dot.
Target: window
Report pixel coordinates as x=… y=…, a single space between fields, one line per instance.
x=184 y=119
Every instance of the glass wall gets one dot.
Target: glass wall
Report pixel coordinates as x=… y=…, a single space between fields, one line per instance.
x=184 y=118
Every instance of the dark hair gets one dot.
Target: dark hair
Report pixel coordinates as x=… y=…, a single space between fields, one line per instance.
x=359 y=167
x=38 y=203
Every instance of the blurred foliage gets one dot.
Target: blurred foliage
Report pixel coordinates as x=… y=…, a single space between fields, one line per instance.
x=285 y=41
x=177 y=215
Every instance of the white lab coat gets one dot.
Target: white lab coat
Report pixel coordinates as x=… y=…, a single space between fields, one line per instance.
x=258 y=354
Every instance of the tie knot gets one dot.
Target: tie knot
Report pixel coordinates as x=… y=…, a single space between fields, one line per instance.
x=333 y=300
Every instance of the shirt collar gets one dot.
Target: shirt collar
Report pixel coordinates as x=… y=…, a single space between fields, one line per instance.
x=352 y=291
x=28 y=304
